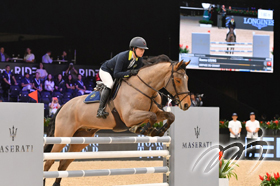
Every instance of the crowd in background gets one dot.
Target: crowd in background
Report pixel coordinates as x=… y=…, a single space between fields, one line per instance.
x=52 y=89
x=29 y=57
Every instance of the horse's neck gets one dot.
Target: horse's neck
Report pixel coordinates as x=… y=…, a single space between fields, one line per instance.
x=155 y=75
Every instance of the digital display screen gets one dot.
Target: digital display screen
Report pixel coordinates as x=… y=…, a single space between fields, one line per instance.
x=214 y=37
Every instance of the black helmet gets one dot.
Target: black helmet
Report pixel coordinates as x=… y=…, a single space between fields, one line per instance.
x=138 y=42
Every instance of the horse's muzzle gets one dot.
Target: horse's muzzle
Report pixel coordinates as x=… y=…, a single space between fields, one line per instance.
x=186 y=106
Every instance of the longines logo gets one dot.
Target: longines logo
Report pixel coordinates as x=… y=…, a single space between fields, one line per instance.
x=9 y=148
x=259 y=23
x=13 y=133
x=197 y=131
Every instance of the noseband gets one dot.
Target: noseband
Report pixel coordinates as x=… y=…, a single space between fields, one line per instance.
x=176 y=98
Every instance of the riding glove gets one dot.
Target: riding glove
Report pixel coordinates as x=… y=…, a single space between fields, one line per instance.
x=134 y=72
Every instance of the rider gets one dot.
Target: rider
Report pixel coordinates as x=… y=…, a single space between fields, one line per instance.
x=123 y=65
x=231 y=24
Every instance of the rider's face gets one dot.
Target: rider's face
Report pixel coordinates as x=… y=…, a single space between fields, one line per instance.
x=139 y=52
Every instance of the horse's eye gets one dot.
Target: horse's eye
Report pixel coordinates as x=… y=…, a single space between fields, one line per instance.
x=178 y=81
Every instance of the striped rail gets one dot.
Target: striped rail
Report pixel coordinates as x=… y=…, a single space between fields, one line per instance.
x=105 y=172
x=106 y=140
x=105 y=154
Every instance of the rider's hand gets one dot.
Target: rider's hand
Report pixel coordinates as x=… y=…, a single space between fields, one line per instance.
x=134 y=72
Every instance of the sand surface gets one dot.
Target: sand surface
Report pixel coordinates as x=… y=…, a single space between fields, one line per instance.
x=245 y=178
x=189 y=24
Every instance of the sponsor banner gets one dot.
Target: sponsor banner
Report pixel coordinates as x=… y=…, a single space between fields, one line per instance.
x=193 y=133
x=20 y=150
x=54 y=69
x=252 y=23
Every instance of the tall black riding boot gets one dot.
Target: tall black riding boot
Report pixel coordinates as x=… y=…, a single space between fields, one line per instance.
x=226 y=36
x=101 y=110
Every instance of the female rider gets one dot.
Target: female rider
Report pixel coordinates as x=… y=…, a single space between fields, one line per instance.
x=123 y=65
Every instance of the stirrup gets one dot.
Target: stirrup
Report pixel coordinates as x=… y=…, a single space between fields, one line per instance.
x=101 y=113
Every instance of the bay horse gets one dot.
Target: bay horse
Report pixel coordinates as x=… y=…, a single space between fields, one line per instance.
x=136 y=102
x=230 y=38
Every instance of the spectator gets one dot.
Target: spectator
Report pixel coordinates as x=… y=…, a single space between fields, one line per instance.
x=37 y=83
x=54 y=105
x=199 y=99
x=8 y=76
x=223 y=12
x=46 y=58
x=71 y=70
x=28 y=56
x=49 y=84
x=229 y=8
x=193 y=100
x=252 y=127
x=80 y=85
x=27 y=83
x=63 y=56
x=42 y=72
x=3 y=55
x=59 y=84
x=70 y=85
x=235 y=129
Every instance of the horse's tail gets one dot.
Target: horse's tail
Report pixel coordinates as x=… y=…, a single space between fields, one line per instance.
x=48 y=147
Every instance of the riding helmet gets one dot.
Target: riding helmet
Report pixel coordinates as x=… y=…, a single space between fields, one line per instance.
x=138 y=42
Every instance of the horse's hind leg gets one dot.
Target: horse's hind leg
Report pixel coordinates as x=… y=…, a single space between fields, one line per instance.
x=63 y=164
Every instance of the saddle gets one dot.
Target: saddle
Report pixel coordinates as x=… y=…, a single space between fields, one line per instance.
x=94 y=97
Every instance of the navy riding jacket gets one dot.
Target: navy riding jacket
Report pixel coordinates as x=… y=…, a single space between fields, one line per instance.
x=231 y=25
x=118 y=66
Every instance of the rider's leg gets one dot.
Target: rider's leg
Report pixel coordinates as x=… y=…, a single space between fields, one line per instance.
x=103 y=100
x=234 y=32
x=108 y=82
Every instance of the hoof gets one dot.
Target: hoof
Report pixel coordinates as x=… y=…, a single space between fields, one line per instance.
x=56 y=184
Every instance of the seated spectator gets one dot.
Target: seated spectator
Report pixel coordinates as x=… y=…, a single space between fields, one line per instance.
x=54 y=105
x=37 y=83
x=199 y=99
x=70 y=85
x=28 y=56
x=8 y=79
x=71 y=70
x=80 y=86
x=42 y=72
x=46 y=58
x=63 y=56
x=49 y=84
x=3 y=55
x=59 y=84
x=27 y=83
x=193 y=100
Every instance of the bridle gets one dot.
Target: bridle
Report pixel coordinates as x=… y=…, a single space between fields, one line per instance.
x=176 y=98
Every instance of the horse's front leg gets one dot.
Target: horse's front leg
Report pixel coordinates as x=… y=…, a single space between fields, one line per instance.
x=138 y=116
x=161 y=115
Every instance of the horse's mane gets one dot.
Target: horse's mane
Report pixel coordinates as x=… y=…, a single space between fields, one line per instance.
x=156 y=60
x=159 y=59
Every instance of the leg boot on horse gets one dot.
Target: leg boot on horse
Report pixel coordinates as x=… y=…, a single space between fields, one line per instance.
x=101 y=110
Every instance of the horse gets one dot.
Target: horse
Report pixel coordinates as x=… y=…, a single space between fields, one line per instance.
x=230 y=38
x=137 y=102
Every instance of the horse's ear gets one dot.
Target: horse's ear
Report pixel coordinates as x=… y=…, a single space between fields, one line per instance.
x=187 y=63
x=178 y=65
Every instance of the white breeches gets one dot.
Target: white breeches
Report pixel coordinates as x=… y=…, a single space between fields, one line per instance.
x=233 y=31
x=106 y=78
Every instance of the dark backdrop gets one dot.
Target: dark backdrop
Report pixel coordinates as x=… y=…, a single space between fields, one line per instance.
x=98 y=29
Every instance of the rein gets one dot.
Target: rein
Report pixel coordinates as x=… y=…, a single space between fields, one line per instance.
x=176 y=99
